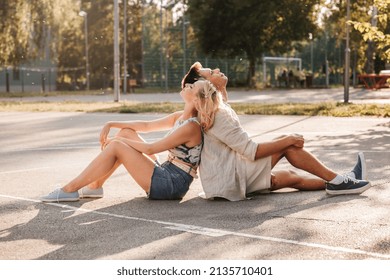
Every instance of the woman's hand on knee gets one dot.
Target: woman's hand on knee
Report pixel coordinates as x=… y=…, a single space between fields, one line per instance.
x=107 y=142
x=104 y=134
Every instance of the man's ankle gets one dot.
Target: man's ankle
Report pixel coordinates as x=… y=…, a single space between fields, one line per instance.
x=337 y=180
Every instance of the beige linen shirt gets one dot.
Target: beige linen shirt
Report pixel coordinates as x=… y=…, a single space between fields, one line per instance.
x=228 y=164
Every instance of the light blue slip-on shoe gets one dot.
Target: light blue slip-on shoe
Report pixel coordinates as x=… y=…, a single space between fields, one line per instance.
x=87 y=192
x=58 y=195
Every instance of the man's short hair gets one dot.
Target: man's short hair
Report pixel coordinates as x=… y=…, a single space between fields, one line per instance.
x=192 y=75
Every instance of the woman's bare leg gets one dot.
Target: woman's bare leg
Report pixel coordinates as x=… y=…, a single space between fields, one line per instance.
x=125 y=133
x=290 y=179
x=139 y=166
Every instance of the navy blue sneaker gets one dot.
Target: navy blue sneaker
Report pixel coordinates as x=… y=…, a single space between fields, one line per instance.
x=360 y=168
x=348 y=186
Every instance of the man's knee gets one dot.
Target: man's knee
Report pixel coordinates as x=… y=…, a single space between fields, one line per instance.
x=281 y=179
x=291 y=150
x=281 y=136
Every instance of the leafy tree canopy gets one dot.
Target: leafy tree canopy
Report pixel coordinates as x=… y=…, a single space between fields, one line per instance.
x=251 y=27
x=377 y=30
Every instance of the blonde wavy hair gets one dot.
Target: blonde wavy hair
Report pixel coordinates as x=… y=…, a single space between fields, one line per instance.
x=207 y=104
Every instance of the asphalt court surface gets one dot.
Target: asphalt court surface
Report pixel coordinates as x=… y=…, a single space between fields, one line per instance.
x=40 y=150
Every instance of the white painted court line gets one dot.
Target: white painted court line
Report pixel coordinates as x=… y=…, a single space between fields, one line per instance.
x=39 y=168
x=210 y=231
x=55 y=148
x=92 y=145
x=24 y=170
x=70 y=146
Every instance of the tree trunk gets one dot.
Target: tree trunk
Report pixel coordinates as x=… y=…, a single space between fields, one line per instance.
x=251 y=80
x=369 y=64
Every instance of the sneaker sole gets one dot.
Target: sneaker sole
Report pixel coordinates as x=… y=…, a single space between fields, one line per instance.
x=60 y=200
x=354 y=191
x=91 y=196
x=363 y=162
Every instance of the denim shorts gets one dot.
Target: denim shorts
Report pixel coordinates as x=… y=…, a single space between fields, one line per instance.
x=169 y=182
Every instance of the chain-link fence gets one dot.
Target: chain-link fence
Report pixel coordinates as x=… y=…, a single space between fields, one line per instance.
x=166 y=73
x=21 y=79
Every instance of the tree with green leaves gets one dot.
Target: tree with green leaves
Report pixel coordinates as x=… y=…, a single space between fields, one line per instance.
x=378 y=29
x=43 y=32
x=25 y=26
x=22 y=30
x=368 y=54
x=251 y=27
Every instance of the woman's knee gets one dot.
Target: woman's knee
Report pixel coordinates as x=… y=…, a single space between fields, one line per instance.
x=120 y=149
x=126 y=133
x=117 y=145
x=113 y=146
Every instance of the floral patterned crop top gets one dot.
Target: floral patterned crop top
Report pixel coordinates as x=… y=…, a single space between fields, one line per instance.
x=184 y=153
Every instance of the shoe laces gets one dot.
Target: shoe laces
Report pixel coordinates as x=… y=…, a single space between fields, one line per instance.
x=350 y=179
x=56 y=191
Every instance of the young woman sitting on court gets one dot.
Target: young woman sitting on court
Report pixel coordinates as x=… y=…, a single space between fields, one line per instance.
x=170 y=180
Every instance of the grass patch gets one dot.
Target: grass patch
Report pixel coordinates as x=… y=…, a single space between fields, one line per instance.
x=133 y=108
x=335 y=109
x=53 y=93
x=67 y=106
x=84 y=92
x=90 y=107
x=298 y=109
